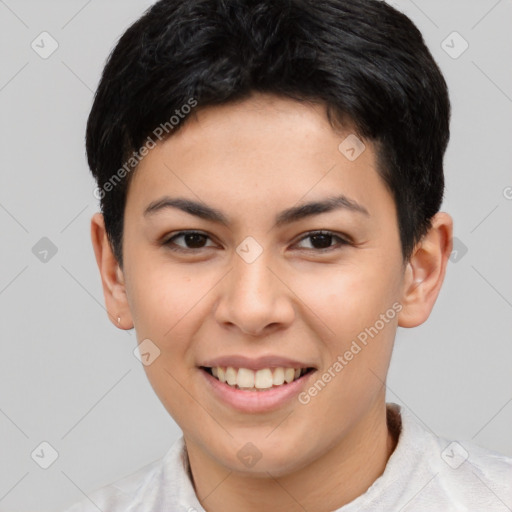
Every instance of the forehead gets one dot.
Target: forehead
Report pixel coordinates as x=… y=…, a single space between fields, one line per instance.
x=256 y=152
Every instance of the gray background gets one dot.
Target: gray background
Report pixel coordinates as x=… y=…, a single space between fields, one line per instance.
x=69 y=377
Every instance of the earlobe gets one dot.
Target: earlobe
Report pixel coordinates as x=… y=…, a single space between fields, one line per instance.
x=112 y=277
x=425 y=271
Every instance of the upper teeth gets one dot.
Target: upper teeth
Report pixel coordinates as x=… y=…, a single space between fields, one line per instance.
x=260 y=379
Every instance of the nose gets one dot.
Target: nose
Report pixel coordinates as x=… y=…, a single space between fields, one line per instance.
x=254 y=298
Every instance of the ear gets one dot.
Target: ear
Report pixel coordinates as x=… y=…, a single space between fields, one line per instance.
x=112 y=277
x=425 y=271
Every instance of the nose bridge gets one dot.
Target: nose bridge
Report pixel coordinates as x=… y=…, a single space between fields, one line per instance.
x=252 y=286
x=252 y=278
x=252 y=296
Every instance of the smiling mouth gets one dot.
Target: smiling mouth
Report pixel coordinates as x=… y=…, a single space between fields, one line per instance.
x=259 y=380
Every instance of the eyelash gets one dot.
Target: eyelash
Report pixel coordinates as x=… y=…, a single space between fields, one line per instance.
x=173 y=247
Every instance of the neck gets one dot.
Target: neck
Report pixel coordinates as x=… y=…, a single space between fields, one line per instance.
x=331 y=481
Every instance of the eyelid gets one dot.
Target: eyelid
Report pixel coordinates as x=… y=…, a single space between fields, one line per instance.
x=343 y=240
x=167 y=240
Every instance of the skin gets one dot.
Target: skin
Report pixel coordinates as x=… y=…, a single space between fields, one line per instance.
x=251 y=160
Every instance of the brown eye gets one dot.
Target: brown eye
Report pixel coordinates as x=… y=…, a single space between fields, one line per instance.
x=322 y=240
x=191 y=239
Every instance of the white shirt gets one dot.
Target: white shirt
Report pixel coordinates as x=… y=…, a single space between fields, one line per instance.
x=424 y=473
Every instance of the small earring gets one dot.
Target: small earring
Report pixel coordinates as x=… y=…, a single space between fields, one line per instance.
x=118 y=320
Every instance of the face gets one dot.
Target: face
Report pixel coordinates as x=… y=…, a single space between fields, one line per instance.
x=252 y=284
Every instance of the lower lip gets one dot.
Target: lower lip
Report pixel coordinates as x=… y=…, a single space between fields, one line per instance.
x=256 y=401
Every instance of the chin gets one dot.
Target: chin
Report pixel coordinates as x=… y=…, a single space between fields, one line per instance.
x=261 y=457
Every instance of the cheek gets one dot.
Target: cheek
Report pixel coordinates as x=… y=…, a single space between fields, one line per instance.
x=354 y=303
x=348 y=297
x=161 y=295
x=165 y=301
x=356 y=309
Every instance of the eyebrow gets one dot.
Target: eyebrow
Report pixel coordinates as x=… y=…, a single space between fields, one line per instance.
x=285 y=217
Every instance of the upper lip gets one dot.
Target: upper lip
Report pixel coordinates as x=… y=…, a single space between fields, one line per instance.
x=268 y=361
